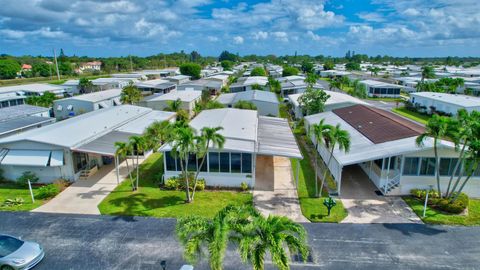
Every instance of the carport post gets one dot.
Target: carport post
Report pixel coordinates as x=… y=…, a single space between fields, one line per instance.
x=117 y=170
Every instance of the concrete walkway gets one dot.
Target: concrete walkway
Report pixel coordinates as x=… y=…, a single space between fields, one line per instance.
x=365 y=206
x=83 y=196
x=275 y=192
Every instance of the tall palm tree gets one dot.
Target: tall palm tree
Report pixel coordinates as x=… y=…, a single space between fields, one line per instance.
x=156 y=134
x=437 y=128
x=130 y=94
x=183 y=144
x=122 y=151
x=321 y=132
x=197 y=232
x=138 y=144
x=209 y=137
x=472 y=161
x=174 y=105
x=427 y=73
x=336 y=136
x=272 y=235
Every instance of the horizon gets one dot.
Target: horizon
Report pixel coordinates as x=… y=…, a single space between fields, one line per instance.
x=117 y=28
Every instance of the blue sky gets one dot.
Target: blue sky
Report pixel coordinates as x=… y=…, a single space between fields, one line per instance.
x=328 y=27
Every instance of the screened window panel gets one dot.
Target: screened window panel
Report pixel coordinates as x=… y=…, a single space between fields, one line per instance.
x=246 y=163
x=427 y=166
x=213 y=160
x=204 y=165
x=446 y=166
x=410 y=167
x=236 y=159
x=224 y=162
x=192 y=162
x=170 y=161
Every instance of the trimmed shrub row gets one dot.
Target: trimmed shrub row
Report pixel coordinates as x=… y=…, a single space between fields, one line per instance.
x=442 y=204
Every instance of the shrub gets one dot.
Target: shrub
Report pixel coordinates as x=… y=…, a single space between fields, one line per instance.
x=28 y=175
x=13 y=202
x=200 y=185
x=442 y=204
x=172 y=183
x=244 y=186
x=47 y=191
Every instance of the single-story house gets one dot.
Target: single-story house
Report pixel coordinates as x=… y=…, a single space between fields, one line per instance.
x=333 y=73
x=76 y=105
x=266 y=102
x=72 y=148
x=9 y=100
x=19 y=118
x=443 y=102
x=214 y=86
x=35 y=89
x=382 y=89
x=294 y=85
x=100 y=84
x=383 y=146
x=131 y=76
x=246 y=83
x=335 y=101
x=158 y=86
x=161 y=102
x=223 y=78
x=179 y=79
x=251 y=141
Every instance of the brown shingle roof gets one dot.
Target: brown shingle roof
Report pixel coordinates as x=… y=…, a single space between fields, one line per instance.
x=378 y=125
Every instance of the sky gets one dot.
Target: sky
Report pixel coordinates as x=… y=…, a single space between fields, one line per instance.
x=421 y=28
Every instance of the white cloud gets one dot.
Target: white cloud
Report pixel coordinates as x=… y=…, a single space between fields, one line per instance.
x=371 y=16
x=260 y=35
x=212 y=38
x=313 y=36
x=411 y=12
x=238 y=40
x=280 y=36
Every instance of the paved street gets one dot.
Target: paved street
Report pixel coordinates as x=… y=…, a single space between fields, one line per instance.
x=106 y=242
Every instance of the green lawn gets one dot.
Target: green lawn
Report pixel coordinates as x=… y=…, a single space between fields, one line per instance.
x=149 y=200
x=415 y=116
x=12 y=191
x=436 y=217
x=313 y=208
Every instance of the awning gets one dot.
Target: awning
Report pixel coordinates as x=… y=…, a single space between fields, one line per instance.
x=275 y=138
x=105 y=145
x=103 y=105
x=56 y=159
x=117 y=102
x=26 y=158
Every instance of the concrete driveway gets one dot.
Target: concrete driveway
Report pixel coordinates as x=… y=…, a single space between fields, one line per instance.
x=365 y=206
x=275 y=191
x=83 y=196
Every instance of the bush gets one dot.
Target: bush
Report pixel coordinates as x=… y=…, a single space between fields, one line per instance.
x=172 y=183
x=13 y=202
x=244 y=186
x=26 y=176
x=47 y=191
x=200 y=185
x=442 y=204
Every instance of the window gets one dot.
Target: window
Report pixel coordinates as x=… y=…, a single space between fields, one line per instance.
x=213 y=160
x=19 y=101
x=410 y=167
x=236 y=162
x=170 y=161
x=192 y=163
x=379 y=163
x=427 y=166
x=246 y=163
x=79 y=161
x=224 y=162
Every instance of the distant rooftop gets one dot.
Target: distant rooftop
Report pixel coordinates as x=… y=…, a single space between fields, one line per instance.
x=374 y=83
x=231 y=98
x=185 y=96
x=97 y=96
x=20 y=111
x=461 y=100
x=335 y=98
x=33 y=87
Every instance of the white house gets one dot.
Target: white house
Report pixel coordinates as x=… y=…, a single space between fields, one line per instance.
x=158 y=86
x=266 y=102
x=334 y=73
x=381 y=89
x=131 y=76
x=246 y=84
x=90 y=66
x=443 y=102
x=100 y=84
x=251 y=142
x=71 y=148
x=19 y=118
x=179 y=79
x=8 y=100
x=383 y=146
x=35 y=89
x=223 y=78
x=76 y=105
x=213 y=86
x=161 y=102
x=335 y=101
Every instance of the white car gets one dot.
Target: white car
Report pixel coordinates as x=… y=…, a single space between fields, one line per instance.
x=16 y=254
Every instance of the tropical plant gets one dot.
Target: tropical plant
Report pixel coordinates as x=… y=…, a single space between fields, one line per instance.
x=191 y=69
x=139 y=145
x=245 y=105
x=85 y=85
x=311 y=79
x=336 y=136
x=156 y=134
x=258 y=71
x=428 y=72
x=437 y=128
x=275 y=85
x=27 y=176
x=257 y=86
x=174 y=105
x=45 y=100
x=328 y=65
x=130 y=94
x=123 y=150
x=321 y=133
x=13 y=202
x=289 y=71
x=313 y=101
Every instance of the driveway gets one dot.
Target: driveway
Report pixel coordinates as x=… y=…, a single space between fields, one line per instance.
x=275 y=191
x=108 y=242
x=365 y=206
x=83 y=196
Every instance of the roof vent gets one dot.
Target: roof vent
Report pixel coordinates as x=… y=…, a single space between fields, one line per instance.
x=370 y=122
x=359 y=126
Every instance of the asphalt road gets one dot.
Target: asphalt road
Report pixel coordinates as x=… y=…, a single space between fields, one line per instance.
x=106 y=242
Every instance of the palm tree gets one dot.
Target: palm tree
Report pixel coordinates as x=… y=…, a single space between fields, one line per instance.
x=336 y=136
x=122 y=151
x=183 y=145
x=156 y=134
x=335 y=83
x=174 y=105
x=321 y=131
x=437 y=128
x=139 y=145
x=195 y=232
x=427 y=73
x=271 y=235
x=130 y=94
x=209 y=136
x=472 y=161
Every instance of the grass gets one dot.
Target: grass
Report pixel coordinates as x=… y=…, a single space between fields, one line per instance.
x=433 y=216
x=149 y=200
x=415 y=116
x=312 y=207
x=11 y=191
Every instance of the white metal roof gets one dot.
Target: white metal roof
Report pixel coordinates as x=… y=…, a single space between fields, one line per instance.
x=276 y=138
x=185 y=96
x=373 y=83
x=255 y=95
x=459 y=100
x=96 y=96
x=20 y=111
x=141 y=123
x=33 y=87
x=335 y=98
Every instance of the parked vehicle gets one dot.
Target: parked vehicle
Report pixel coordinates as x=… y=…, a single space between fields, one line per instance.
x=16 y=254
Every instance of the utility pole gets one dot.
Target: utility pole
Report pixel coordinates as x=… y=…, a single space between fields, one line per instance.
x=56 y=63
x=131 y=64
